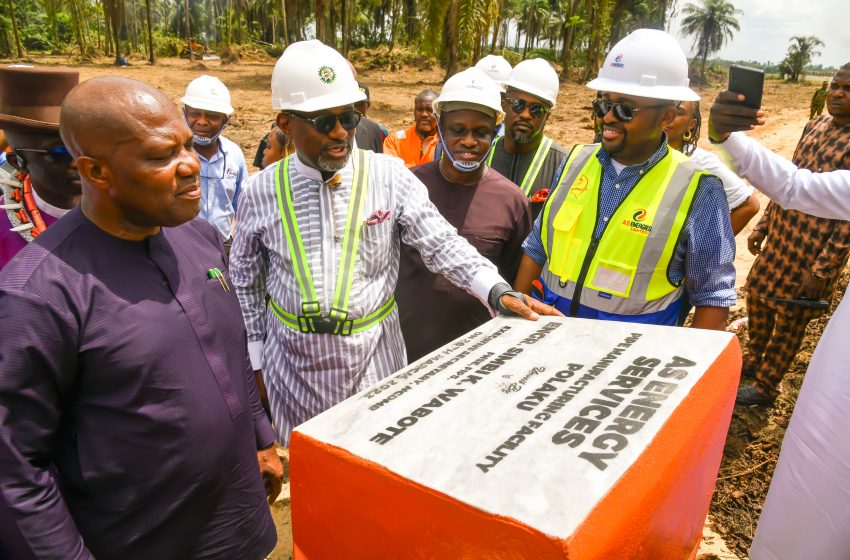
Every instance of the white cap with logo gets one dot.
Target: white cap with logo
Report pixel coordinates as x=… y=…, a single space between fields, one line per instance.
x=311 y=76
x=207 y=93
x=646 y=63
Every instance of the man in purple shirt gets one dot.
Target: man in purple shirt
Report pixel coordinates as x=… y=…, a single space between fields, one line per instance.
x=129 y=417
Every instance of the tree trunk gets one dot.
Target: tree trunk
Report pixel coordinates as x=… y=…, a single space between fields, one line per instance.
x=396 y=9
x=107 y=29
x=497 y=28
x=115 y=24
x=150 y=32
x=344 y=7
x=321 y=33
x=451 y=38
x=135 y=27
x=187 y=30
x=411 y=28
x=18 y=45
x=283 y=30
x=78 y=27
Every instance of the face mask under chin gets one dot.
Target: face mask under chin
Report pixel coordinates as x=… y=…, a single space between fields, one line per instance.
x=466 y=166
x=203 y=140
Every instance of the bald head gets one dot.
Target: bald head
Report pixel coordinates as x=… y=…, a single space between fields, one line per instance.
x=102 y=112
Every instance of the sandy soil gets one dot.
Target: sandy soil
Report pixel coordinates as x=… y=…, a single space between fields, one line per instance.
x=392 y=105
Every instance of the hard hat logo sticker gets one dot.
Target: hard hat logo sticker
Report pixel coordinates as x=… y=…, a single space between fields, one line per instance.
x=327 y=74
x=618 y=61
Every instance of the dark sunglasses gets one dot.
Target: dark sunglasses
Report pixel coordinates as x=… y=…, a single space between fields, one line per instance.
x=536 y=110
x=58 y=155
x=623 y=112
x=327 y=122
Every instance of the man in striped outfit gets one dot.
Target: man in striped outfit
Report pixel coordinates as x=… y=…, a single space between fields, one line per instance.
x=319 y=234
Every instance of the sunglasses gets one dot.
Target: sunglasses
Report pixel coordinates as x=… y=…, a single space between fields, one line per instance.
x=58 y=155
x=623 y=112
x=327 y=122
x=536 y=110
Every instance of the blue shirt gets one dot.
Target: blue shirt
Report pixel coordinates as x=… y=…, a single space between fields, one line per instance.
x=221 y=184
x=705 y=255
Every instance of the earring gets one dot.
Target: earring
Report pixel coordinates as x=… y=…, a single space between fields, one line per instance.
x=687 y=136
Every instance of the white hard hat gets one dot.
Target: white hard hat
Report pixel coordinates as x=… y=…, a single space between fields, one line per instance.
x=496 y=68
x=536 y=77
x=647 y=63
x=471 y=87
x=310 y=76
x=208 y=94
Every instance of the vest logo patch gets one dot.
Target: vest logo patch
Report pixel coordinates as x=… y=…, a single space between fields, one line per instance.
x=580 y=186
x=636 y=225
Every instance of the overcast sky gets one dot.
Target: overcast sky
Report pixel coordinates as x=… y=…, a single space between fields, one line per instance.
x=768 y=25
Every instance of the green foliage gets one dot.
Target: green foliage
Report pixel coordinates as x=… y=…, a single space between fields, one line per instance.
x=166 y=45
x=800 y=53
x=711 y=24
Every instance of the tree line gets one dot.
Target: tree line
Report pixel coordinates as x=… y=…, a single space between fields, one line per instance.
x=574 y=33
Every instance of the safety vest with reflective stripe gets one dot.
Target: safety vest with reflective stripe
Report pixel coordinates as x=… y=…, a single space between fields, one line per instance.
x=311 y=318
x=625 y=270
x=533 y=168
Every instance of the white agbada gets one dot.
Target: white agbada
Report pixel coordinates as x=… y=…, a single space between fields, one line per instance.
x=806 y=515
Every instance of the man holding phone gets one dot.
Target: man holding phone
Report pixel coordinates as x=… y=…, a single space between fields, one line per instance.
x=635 y=231
x=799 y=255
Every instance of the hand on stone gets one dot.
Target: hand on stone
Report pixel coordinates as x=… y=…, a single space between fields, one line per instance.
x=530 y=308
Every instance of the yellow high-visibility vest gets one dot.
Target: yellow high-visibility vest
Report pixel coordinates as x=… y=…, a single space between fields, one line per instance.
x=625 y=271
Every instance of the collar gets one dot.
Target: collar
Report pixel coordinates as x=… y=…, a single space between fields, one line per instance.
x=218 y=153
x=49 y=209
x=316 y=175
x=604 y=157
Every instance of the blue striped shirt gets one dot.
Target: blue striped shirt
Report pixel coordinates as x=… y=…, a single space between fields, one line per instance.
x=705 y=255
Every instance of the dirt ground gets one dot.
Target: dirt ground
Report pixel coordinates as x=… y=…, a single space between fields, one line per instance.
x=755 y=434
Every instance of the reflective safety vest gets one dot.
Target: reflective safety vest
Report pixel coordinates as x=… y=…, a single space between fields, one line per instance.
x=625 y=270
x=534 y=167
x=311 y=319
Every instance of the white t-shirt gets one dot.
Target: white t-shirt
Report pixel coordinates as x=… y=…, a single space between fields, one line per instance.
x=737 y=191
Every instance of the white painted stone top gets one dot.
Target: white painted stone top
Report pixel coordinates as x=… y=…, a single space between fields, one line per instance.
x=535 y=421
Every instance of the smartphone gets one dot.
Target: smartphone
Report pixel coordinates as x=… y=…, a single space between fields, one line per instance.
x=749 y=81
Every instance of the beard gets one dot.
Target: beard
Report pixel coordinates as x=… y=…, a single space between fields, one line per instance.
x=334 y=165
x=523 y=137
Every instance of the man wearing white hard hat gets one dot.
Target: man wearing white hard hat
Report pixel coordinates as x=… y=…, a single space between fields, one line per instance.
x=487 y=210
x=318 y=237
x=207 y=109
x=635 y=231
x=496 y=68
x=525 y=155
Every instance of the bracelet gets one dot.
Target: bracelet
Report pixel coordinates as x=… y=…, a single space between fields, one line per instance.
x=495 y=298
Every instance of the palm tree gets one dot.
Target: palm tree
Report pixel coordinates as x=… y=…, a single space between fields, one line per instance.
x=711 y=24
x=18 y=44
x=800 y=54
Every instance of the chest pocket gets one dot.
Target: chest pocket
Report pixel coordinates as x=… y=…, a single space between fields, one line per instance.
x=566 y=249
x=374 y=250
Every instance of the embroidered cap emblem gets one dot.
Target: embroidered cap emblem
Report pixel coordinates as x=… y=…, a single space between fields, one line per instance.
x=327 y=74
